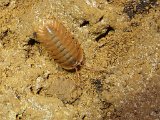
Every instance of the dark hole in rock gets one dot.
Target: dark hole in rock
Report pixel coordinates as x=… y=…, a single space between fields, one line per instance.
x=18 y=116
x=39 y=90
x=71 y=101
x=31 y=90
x=105 y=105
x=98 y=85
x=32 y=42
x=101 y=18
x=105 y=33
x=4 y=33
x=83 y=117
x=109 y=1
x=84 y=23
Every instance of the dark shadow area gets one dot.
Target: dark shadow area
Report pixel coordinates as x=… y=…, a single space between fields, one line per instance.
x=105 y=33
x=142 y=106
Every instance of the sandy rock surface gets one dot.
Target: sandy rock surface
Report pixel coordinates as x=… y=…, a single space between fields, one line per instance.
x=122 y=38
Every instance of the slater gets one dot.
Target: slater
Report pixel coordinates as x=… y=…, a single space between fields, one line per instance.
x=61 y=45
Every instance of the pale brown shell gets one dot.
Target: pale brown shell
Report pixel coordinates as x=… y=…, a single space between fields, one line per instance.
x=61 y=44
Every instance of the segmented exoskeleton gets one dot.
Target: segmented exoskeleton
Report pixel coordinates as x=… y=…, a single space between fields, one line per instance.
x=62 y=46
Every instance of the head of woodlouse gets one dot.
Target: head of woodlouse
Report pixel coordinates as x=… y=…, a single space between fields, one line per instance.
x=77 y=64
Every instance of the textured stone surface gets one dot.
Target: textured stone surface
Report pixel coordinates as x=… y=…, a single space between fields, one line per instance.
x=121 y=37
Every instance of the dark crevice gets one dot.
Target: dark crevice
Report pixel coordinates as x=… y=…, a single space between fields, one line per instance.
x=104 y=34
x=84 y=23
x=18 y=117
x=7 y=4
x=109 y=1
x=105 y=105
x=5 y=33
x=39 y=90
x=32 y=42
x=31 y=90
x=83 y=117
x=71 y=102
x=101 y=18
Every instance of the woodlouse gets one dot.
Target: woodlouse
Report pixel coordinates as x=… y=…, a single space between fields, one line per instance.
x=62 y=46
